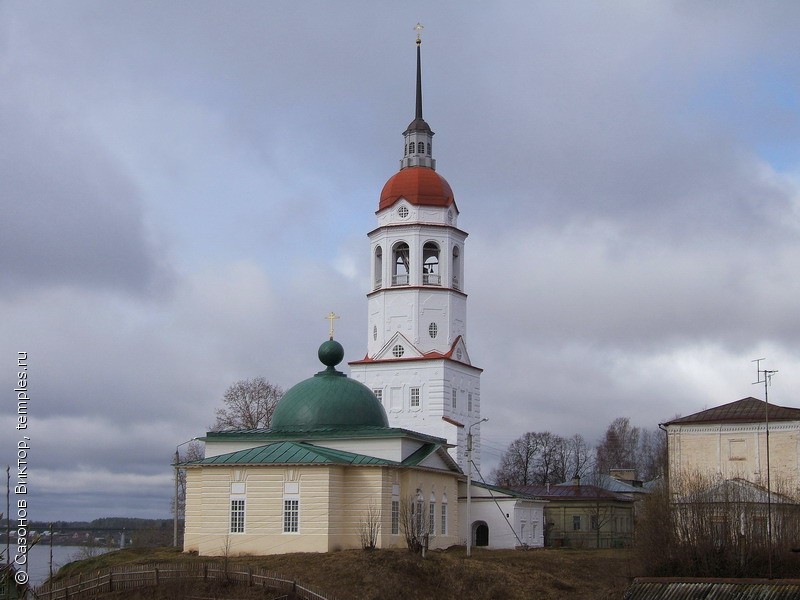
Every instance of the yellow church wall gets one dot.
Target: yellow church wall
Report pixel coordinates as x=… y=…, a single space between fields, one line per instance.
x=208 y=512
x=353 y=491
x=333 y=502
x=730 y=451
x=438 y=484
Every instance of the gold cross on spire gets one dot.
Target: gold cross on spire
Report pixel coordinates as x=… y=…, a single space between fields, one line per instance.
x=418 y=28
x=331 y=317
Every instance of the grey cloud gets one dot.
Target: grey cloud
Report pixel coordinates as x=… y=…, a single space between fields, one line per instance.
x=70 y=216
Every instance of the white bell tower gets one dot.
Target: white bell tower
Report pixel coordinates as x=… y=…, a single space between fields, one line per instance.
x=417 y=361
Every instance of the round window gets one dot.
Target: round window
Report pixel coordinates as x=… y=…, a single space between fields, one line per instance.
x=398 y=351
x=433 y=329
x=403 y=212
x=459 y=354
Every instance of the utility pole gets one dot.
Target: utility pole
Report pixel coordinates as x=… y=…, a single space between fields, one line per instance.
x=8 y=515
x=469 y=485
x=177 y=471
x=767 y=379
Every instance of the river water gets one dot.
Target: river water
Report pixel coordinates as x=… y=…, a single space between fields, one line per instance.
x=38 y=566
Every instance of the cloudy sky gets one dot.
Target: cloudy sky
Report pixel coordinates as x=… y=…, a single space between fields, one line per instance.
x=186 y=189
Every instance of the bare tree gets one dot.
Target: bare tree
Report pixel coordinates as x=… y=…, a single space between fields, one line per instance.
x=573 y=458
x=601 y=512
x=414 y=524
x=249 y=404
x=619 y=446
x=369 y=527
x=652 y=454
x=705 y=526
x=517 y=463
x=542 y=457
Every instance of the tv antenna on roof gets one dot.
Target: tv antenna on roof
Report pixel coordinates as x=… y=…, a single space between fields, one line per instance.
x=767 y=381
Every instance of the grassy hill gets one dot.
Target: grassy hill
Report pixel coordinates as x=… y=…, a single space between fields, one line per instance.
x=539 y=574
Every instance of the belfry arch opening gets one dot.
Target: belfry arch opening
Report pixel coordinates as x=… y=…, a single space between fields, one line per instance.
x=430 y=264
x=456 y=268
x=400 y=264
x=378 y=268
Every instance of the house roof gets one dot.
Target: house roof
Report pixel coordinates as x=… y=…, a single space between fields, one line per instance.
x=612 y=484
x=513 y=492
x=684 y=588
x=746 y=410
x=320 y=433
x=295 y=453
x=570 y=492
x=303 y=453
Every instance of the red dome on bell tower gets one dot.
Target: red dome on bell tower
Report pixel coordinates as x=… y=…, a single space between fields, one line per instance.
x=420 y=186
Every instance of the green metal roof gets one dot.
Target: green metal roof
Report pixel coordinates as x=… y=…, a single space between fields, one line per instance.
x=301 y=453
x=294 y=453
x=320 y=433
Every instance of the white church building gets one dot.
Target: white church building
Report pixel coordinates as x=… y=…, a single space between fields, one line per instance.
x=417 y=361
x=388 y=443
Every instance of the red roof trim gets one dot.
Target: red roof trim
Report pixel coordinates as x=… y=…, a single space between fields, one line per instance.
x=369 y=361
x=433 y=355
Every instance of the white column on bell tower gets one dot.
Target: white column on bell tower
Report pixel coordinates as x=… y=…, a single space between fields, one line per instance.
x=417 y=360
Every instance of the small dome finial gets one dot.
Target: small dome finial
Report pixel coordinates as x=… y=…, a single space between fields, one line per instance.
x=330 y=354
x=418 y=28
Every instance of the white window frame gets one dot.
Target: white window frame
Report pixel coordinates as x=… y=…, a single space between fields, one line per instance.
x=416 y=397
x=237 y=512
x=290 y=513
x=395 y=509
x=432 y=517
x=395 y=517
x=443 y=527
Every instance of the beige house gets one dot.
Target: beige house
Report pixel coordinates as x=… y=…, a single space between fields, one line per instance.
x=584 y=516
x=329 y=469
x=730 y=442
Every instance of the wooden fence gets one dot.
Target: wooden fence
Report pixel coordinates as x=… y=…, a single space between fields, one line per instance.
x=128 y=577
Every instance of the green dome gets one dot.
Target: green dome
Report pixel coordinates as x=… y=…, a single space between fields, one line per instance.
x=329 y=399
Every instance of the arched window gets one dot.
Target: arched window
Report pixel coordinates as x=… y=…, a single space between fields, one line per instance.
x=429 y=148
x=400 y=264
x=456 y=268
x=430 y=264
x=405 y=150
x=412 y=148
x=378 y=267
x=480 y=533
x=421 y=147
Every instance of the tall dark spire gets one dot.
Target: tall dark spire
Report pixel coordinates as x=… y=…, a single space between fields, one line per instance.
x=419 y=80
x=417 y=146
x=419 y=124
